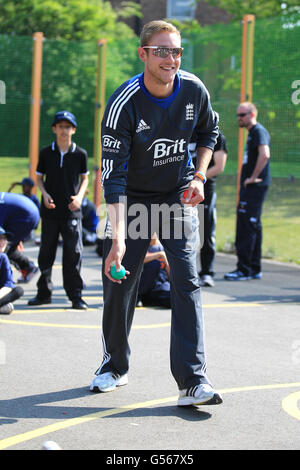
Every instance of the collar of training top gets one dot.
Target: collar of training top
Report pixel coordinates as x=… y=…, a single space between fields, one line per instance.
x=73 y=146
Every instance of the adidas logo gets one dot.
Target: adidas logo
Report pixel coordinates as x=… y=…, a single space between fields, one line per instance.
x=142 y=126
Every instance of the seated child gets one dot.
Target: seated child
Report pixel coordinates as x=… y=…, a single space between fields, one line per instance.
x=8 y=292
x=154 y=287
x=90 y=221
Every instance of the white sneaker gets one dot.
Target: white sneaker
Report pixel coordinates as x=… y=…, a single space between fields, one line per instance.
x=207 y=280
x=6 y=309
x=108 y=382
x=202 y=394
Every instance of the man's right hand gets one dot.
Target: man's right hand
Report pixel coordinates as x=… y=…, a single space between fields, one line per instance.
x=48 y=201
x=115 y=256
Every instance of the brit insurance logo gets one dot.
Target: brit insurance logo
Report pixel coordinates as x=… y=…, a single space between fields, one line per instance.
x=189 y=112
x=110 y=144
x=142 y=126
x=167 y=151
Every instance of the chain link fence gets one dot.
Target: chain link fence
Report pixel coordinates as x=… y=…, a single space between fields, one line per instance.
x=214 y=54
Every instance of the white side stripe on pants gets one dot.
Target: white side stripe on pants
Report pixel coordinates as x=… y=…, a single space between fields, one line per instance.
x=106 y=356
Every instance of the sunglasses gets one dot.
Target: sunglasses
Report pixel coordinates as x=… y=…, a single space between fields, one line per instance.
x=242 y=114
x=163 y=52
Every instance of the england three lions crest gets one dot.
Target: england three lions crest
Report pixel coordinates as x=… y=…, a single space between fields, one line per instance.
x=189 y=112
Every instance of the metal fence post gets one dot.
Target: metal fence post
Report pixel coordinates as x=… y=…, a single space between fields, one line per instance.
x=246 y=84
x=99 y=110
x=35 y=105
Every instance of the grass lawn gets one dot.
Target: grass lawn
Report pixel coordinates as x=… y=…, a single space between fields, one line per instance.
x=15 y=169
x=281 y=218
x=281 y=213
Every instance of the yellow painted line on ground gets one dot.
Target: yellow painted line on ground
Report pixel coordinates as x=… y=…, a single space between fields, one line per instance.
x=290 y=405
x=45 y=324
x=60 y=425
x=48 y=310
x=233 y=305
x=91 y=297
x=92 y=327
x=59 y=310
x=70 y=325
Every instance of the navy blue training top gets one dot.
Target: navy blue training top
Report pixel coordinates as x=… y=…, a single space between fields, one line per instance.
x=257 y=135
x=145 y=140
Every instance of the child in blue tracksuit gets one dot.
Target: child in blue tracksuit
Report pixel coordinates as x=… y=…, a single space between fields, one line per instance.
x=18 y=217
x=8 y=291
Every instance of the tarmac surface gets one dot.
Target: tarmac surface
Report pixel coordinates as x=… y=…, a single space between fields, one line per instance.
x=48 y=356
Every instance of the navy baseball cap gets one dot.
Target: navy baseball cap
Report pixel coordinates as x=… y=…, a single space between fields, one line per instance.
x=64 y=116
x=4 y=233
x=27 y=181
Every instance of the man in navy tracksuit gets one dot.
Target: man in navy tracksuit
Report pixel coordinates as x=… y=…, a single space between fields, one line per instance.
x=255 y=180
x=151 y=185
x=19 y=216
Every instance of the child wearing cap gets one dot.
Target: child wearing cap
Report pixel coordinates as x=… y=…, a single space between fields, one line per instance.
x=62 y=176
x=8 y=292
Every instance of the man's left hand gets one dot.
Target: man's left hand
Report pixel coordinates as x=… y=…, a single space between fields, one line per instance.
x=75 y=203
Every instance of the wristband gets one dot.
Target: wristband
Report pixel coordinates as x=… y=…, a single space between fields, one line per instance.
x=201 y=176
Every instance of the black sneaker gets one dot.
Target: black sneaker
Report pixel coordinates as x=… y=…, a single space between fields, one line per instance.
x=237 y=275
x=39 y=301
x=79 y=304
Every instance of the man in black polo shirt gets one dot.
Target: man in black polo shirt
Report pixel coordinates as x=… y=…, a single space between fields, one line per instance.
x=255 y=180
x=62 y=176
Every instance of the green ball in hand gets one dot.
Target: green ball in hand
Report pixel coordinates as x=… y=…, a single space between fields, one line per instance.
x=117 y=274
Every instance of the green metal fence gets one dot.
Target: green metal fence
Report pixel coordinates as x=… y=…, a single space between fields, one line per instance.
x=217 y=60
x=214 y=54
x=68 y=82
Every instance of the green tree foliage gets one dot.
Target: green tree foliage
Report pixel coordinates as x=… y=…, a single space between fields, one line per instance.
x=71 y=29
x=216 y=59
x=259 y=8
x=68 y=19
x=129 y=9
x=68 y=82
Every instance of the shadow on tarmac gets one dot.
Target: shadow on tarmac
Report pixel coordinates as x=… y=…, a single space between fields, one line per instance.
x=35 y=406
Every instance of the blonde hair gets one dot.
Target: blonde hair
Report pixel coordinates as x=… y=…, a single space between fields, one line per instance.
x=155 y=27
x=252 y=108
